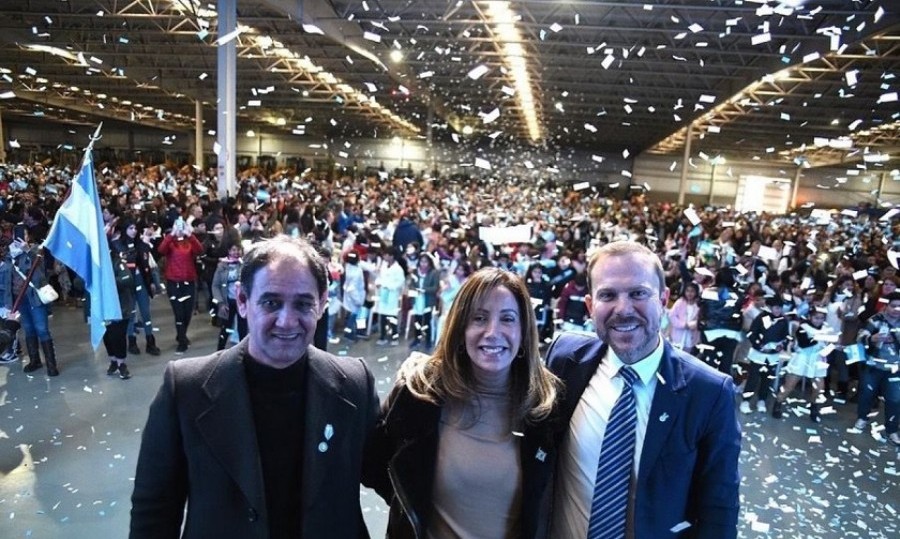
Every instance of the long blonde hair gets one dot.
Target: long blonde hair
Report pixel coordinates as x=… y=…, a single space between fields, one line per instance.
x=447 y=374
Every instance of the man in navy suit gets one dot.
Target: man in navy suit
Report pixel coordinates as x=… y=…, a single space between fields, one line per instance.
x=687 y=437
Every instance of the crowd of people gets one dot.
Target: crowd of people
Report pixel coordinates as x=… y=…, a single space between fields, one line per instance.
x=763 y=299
x=400 y=248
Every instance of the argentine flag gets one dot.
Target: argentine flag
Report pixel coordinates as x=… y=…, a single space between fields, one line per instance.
x=77 y=239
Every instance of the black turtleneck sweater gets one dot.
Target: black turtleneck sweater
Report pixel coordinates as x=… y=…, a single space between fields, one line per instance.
x=277 y=397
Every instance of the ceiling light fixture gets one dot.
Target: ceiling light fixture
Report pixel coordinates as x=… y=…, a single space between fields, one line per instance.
x=304 y=65
x=510 y=40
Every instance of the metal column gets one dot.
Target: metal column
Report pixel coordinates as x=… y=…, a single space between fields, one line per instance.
x=198 y=134
x=2 y=141
x=795 y=187
x=878 y=202
x=712 y=181
x=226 y=110
x=682 y=184
x=429 y=138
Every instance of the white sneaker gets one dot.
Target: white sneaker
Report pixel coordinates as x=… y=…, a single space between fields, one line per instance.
x=860 y=424
x=761 y=406
x=745 y=407
x=334 y=340
x=894 y=438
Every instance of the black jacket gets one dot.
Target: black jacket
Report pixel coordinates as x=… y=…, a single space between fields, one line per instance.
x=722 y=313
x=767 y=331
x=137 y=255
x=400 y=466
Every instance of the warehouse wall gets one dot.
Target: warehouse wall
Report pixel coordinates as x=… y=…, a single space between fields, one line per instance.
x=834 y=187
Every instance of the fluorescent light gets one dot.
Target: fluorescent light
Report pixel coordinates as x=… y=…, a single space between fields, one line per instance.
x=876 y=158
x=515 y=57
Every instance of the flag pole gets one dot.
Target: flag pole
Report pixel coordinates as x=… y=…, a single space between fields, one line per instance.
x=77 y=239
x=89 y=148
x=94 y=138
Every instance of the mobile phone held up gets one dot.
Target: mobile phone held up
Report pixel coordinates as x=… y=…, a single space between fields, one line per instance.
x=19 y=232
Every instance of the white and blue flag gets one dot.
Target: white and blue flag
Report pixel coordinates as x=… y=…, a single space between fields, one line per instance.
x=78 y=240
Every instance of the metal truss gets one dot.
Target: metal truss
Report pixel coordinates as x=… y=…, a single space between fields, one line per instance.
x=757 y=78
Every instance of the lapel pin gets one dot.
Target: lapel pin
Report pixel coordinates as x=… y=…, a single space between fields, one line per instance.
x=664 y=417
x=541 y=455
x=323 y=447
x=329 y=431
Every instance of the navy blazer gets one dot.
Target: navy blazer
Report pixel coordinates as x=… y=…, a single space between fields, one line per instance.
x=689 y=462
x=199 y=447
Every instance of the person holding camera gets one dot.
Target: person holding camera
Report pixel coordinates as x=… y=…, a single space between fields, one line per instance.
x=225 y=293
x=181 y=248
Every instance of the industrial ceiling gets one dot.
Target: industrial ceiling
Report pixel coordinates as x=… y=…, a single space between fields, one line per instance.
x=789 y=80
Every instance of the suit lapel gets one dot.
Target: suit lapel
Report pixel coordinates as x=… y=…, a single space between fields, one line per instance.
x=579 y=370
x=329 y=415
x=227 y=425
x=668 y=404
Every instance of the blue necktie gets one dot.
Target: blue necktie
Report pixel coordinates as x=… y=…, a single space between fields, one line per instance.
x=610 y=503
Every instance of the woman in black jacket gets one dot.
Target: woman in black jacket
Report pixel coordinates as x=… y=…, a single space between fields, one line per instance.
x=134 y=248
x=114 y=338
x=466 y=442
x=720 y=322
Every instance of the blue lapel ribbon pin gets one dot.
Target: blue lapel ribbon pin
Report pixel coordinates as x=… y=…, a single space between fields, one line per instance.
x=540 y=455
x=664 y=417
x=323 y=447
x=329 y=431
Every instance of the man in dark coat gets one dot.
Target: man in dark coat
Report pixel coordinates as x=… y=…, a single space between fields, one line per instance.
x=264 y=440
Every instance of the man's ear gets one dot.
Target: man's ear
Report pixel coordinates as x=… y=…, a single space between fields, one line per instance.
x=589 y=303
x=241 y=299
x=323 y=304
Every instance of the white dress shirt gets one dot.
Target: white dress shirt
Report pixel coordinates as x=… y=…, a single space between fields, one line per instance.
x=580 y=454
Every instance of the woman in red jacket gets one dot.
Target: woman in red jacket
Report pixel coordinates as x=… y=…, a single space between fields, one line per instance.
x=181 y=248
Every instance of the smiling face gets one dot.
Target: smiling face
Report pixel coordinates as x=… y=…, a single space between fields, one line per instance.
x=281 y=312
x=494 y=333
x=626 y=305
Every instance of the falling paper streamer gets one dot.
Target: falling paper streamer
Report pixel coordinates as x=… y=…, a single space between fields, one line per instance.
x=692 y=216
x=893 y=257
x=229 y=36
x=478 y=72
x=491 y=116
x=482 y=163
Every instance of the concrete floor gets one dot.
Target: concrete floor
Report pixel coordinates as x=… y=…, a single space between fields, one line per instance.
x=69 y=445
